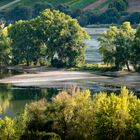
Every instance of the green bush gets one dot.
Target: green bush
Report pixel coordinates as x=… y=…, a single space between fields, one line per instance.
x=78 y=115
x=74 y=115
x=36 y=135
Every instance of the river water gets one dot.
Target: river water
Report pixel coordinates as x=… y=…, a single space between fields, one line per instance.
x=13 y=99
x=92 y=53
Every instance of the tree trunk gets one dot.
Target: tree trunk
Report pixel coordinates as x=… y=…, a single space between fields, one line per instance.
x=27 y=63
x=127 y=65
x=117 y=66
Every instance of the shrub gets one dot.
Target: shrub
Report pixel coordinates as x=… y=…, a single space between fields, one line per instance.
x=78 y=115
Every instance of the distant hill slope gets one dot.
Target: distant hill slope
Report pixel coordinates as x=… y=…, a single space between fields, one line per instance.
x=95 y=5
x=8 y=4
x=134 y=6
x=4 y=2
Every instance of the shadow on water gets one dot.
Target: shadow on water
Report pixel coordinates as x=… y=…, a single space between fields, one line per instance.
x=13 y=99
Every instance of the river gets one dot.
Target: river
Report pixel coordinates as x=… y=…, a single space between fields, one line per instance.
x=14 y=98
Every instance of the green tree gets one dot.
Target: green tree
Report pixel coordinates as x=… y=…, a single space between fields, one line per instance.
x=7 y=129
x=115 y=45
x=120 y=5
x=18 y=13
x=52 y=35
x=115 y=117
x=110 y=16
x=75 y=114
x=39 y=7
x=63 y=37
x=26 y=48
x=5 y=46
x=135 y=50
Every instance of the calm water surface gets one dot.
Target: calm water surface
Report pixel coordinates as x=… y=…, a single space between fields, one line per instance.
x=14 y=99
x=92 y=53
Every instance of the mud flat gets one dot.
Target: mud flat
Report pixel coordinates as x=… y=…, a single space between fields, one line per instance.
x=51 y=78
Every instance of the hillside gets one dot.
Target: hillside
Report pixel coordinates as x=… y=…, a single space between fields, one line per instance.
x=95 y=5
x=3 y=2
x=134 y=6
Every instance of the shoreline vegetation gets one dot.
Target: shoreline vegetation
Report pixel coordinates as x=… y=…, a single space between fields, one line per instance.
x=107 y=25
x=54 y=39
x=76 y=114
x=44 y=76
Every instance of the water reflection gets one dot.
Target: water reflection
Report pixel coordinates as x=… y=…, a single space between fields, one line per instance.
x=4 y=72
x=13 y=99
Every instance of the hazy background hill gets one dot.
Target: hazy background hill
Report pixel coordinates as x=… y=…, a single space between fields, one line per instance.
x=94 y=5
x=87 y=12
x=134 y=6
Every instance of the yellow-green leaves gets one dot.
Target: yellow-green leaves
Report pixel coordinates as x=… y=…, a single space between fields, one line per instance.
x=75 y=114
x=116 y=44
x=61 y=36
x=5 y=46
x=7 y=129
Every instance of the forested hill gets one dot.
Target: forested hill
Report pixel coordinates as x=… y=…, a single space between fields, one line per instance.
x=85 y=11
x=94 y=5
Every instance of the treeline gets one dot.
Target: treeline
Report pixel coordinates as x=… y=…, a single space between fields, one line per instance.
x=120 y=5
x=56 y=39
x=76 y=115
x=116 y=13
x=51 y=38
x=120 y=46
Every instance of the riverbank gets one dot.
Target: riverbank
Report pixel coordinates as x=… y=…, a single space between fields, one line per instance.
x=44 y=77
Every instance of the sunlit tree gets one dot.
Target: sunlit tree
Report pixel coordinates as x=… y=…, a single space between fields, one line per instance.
x=5 y=46
x=115 y=45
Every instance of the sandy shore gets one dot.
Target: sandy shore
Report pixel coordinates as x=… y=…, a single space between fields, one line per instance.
x=46 y=77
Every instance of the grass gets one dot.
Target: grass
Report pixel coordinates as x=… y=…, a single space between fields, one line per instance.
x=102 y=5
x=94 y=67
x=83 y=3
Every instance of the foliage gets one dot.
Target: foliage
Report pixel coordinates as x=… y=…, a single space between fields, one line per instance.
x=100 y=14
x=94 y=67
x=39 y=7
x=135 y=49
x=53 y=36
x=120 y=5
x=134 y=18
x=7 y=129
x=18 y=13
x=40 y=136
x=110 y=16
x=5 y=46
x=115 y=45
x=68 y=48
x=26 y=48
x=75 y=114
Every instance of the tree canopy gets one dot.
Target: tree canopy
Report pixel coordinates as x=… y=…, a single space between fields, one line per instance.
x=53 y=36
x=115 y=45
x=5 y=46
